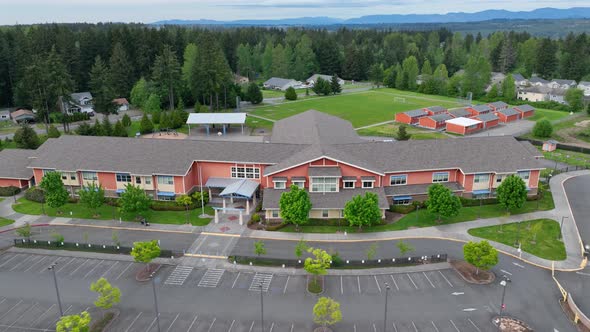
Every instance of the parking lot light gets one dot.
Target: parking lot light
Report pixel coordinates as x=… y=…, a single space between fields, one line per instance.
x=152 y=276
x=52 y=269
x=387 y=288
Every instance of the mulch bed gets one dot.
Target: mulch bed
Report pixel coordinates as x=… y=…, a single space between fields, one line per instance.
x=570 y=315
x=144 y=274
x=469 y=273
x=510 y=324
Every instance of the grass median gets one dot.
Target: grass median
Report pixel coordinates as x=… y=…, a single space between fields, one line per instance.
x=5 y=222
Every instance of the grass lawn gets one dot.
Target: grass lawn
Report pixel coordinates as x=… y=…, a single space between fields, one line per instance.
x=551 y=115
x=361 y=109
x=390 y=130
x=252 y=122
x=106 y=213
x=12 y=144
x=5 y=222
x=422 y=218
x=568 y=157
x=538 y=237
x=563 y=126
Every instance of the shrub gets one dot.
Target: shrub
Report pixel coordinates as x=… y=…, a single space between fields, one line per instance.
x=172 y=206
x=111 y=201
x=291 y=94
x=275 y=227
x=255 y=218
x=336 y=260
x=35 y=195
x=9 y=191
x=543 y=128
x=403 y=209
x=197 y=197
x=477 y=202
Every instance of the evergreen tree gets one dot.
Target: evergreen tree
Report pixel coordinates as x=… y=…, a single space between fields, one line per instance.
x=328 y=55
x=140 y=93
x=156 y=116
x=100 y=86
x=493 y=93
x=402 y=134
x=107 y=127
x=119 y=130
x=152 y=105
x=410 y=72
x=335 y=85
x=478 y=73
x=376 y=74
x=212 y=73
x=97 y=129
x=254 y=95
x=53 y=132
x=245 y=60
x=322 y=87
x=267 y=60
x=546 y=58
x=390 y=75
x=575 y=98
x=190 y=61
x=426 y=69
x=280 y=65
x=290 y=94
x=126 y=121
x=120 y=70
x=166 y=74
x=507 y=56
x=146 y=126
x=305 y=63
x=509 y=88
x=25 y=137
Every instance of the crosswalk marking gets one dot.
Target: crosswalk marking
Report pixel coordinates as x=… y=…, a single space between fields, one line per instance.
x=211 y=278
x=179 y=275
x=261 y=278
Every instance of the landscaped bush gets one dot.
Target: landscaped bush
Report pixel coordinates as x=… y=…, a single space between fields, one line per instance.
x=275 y=227
x=9 y=191
x=477 y=202
x=172 y=206
x=111 y=201
x=403 y=209
x=197 y=197
x=35 y=194
x=258 y=207
x=336 y=260
x=255 y=218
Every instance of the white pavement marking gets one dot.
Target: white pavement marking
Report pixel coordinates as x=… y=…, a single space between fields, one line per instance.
x=472 y=323
x=341 y=287
x=583 y=273
x=251 y=326
x=394 y=327
x=236 y=280
x=45 y=267
x=26 y=328
x=394 y=282
x=519 y=265
x=272 y=326
x=211 y=278
x=232 y=325
x=107 y=271
x=14 y=306
x=192 y=323
x=179 y=275
x=413 y=283
x=469 y=309
x=34 y=264
x=63 y=266
x=56 y=320
x=211 y=326
x=152 y=324
x=455 y=326
x=43 y=314
x=457 y=293
x=358 y=280
x=434 y=325
x=447 y=280
x=286 y=284
x=354 y=327
x=506 y=272
x=173 y=321
x=263 y=279
x=21 y=315
x=76 y=269
x=123 y=272
x=374 y=328
x=21 y=263
x=91 y=270
x=13 y=257
x=292 y=327
x=133 y=322
x=431 y=284
x=377 y=282
x=414 y=325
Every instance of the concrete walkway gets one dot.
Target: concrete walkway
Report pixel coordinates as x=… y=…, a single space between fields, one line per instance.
x=453 y=232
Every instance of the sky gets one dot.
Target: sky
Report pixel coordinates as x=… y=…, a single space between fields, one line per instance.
x=147 y=11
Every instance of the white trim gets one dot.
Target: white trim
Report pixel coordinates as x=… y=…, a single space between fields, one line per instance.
x=398 y=175
x=324 y=156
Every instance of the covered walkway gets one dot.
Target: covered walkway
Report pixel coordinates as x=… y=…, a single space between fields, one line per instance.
x=233 y=189
x=211 y=119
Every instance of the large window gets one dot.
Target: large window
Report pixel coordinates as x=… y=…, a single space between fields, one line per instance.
x=368 y=184
x=398 y=180
x=525 y=175
x=325 y=213
x=322 y=185
x=89 y=176
x=121 y=177
x=280 y=184
x=165 y=180
x=499 y=178
x=274 y=213
x=349 y=184
x=481 y=178
x=245 y=172
x=299 y=184
x=440 y=177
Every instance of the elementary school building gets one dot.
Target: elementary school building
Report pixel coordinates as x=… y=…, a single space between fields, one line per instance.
x=313 y=150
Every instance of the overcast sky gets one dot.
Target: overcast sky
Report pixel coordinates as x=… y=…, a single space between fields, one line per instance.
x=42 y=11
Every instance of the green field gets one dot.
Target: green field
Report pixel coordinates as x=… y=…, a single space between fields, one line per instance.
x=390 y=130
x=5 y=222
x=568 y=157
x=361 y=109
x=551 y=115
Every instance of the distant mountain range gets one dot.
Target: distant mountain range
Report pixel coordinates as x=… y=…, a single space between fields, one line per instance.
x=486 y=15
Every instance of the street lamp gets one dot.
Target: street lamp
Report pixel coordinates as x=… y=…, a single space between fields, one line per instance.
x=52 y=269
x=155 y=300
x=387 y=288
x=561 y=228
x=503 y=283
x=261 y=309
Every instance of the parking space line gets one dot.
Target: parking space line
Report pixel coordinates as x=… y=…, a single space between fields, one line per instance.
x=434 y=325
x=412 y=280
x=354 y=326
x=133 y=322
x=22 y=262
x=107 y=271
x=56 y=320
x=431 y=284
x=286 y=284
x=377 y=282
x=374 y=328
x=450 y=320
x=37 y=262
x=445 y=278
x=414 y=325
x=192 y=323
x=86 y=261
x=341 y=287
x=66 y=264
x=292 y=327
x=394 y=282
x=152 y=324
x=122 y=272
x=211 y=326
x=91 y=270
x=394 y=327
x=43 y=314
x=14 y=306
x=236 y=280
x=358 y=280
x=472 y=323
x=251 y=326
x=27 y=328
x=173 y=321
x=21 y=315
x=9 y=260
x=272 y=326
x=45 y=268
x=232 y=325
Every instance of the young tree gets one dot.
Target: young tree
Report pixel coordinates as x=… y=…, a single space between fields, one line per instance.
x=294 y=206
x=376 y=74
x=108 y=295
x=253 y=94
x=25 y=137
x=92 y=196
x=326 y=312
x=511 y=193
x=24 y=231
x=404 y=247
x=481 y=255
x=300 y=248
x=575 y=98
x=145 y=252
x=442 y=202
x=372 y=251
x=152 y=104
x=259 y=248
x=119 y=130
x=543 y=128
x=146 y=126
x=126 y=120
x=190 y=59
x=410 y=72
x=322 y=87
x=478 y=73
x=402 y=134
x=166 y=74
x=335 y=85
x=56 y=194
x=318 y=264
x=140 y=93
x=107 y=126
x=186 y=201
x=134 y=200
x=53 y=132
x=74 y=323
x=291 y=94
x=363 y=210
x=97 y=129
x=509 y=88
x=494 y=92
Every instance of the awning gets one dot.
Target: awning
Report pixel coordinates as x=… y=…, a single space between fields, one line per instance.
x=166 y=193
x=216 y=118
x=402 y=198
x=219 y=182
x=241 y=188
x=120 y=191
x=481 y=192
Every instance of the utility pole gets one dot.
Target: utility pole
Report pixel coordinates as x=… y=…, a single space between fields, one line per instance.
x=261 y=309
x=387 y=288
x=503 y=283
x=156 y=301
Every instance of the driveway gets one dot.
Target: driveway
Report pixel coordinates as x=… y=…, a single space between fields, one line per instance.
x=515 y=128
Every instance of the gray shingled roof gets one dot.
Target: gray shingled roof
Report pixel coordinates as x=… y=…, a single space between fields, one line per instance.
x=525 y=108
x=415 y=113
x=436 y=109
x=460 y=112
x=487 y=117
x=313 y=127
x=518 y=77
x=537 y=79
x=531 y=149
x=509 y=111
x=324 y=200
x=278 y=82
x=560 y=81
x=324 y=171
x=349 y=178
x=441 y=117
x=498 y=104
x=481 y=108
x=14 y=162
x=418 y=189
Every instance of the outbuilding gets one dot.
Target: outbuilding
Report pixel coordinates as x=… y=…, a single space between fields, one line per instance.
x=216 y=119
x=410 y=117
x=435 y=121
x=498 y=105
x=478 y=109
x=508 y=115
x=460 y=112
x=489 y=120
x=463 y=126
x=549 y=145
x=525 y=110
x=433 y=110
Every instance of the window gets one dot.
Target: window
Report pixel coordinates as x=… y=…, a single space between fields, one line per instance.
x=72 y=176
x=166 y=180
x=398 y=180
x=123 y=177
x=166 y=198
x=368 y=184
x=245 y=172
x=148 y=180
x=440 y=177
x=325 y=213
x=323 y=185
x=405 y=201
x=64 y=176
x=89 y=176
x=137 y=180
x=300 y=184
x=349 y=184
x=481 y=178
x=525 y=175
x=280 y=184
x=274 y=213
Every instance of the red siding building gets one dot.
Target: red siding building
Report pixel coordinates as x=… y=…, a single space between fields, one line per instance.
x=489 y=120
x=498 y=105
x=508 y=115
x=433 y=110
x=464 y=126
x=410 y=117
x=435 y=121
x=525 y=110
x=478 y=109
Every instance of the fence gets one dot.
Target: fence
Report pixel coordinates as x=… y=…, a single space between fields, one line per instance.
x=337 y=262
x=99 y=248
x=561 y=146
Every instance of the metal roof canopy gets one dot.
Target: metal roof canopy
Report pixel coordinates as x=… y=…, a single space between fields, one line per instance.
x=241 y=188
x=216 y=118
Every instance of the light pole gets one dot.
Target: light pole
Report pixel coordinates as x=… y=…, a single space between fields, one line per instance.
x=517 y=233
x=561 y=228
x=261 y=309
x=52 y=269
x=387 y=288
x=503 y=283
x=417 y=209
x=155 y=300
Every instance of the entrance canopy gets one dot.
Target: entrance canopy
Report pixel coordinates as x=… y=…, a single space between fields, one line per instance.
x=238 y=188
x=223 y=119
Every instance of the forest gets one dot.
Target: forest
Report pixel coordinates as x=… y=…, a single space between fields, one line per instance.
x=171 y=64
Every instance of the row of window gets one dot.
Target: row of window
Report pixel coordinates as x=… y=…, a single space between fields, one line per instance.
x=245 y=172
x=324 y=184
x=325 y=213
x=398 y=180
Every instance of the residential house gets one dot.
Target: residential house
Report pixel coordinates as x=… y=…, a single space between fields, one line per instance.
x=5 y=115
x=436 y=121
x=584 y=86
x=80 y=102
x=239 y=79
x=22 y=115
x=433 y=110
x=508 y=115
x=463 y=126
x=519 y=80
x=410 y=117
x=498 y=105
x=533 y=93
x=460 y=112
x=497 y=79
x=276 y=83
x=538 y=81
x=122 y=104
x=314 y=78
x=489 y=120
x=478 y=109
x=562 y=84
x=525 y=110
x=557 y=95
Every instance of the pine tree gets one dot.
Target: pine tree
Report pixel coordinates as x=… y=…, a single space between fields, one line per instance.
x=100 y=86
x=508 y=88
x=126 y=121
x=290 y=94
x=335 y=85
x=97 y=129
x=107 y=127
x=156 y=116
x=410 y=72
x=25 y=137
x=119 y=130
x=166 y=74
x=146 y=126
x=546 y=58
x=120 y=70
x=254 y=95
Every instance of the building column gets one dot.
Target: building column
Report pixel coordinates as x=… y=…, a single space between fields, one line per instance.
x=241 y=218
x=207 y=129
x=224 y=205
x=223 y=130
x=231 y=199
x=189 y=129
x=216 y=217
x=247 y=206
x=209 y=194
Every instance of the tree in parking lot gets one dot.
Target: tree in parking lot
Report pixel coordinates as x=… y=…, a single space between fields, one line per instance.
x=363 y=210
x=300 y=248
x=543 y=128
x=317 y=265
x=442 y=202
x=56 y=194
x=294 y=206
x=24 y=231
x=259 y=248
x=512 y=192
x=481 y=255
x=134 y=200
x=145 y=252
x=404 y=247
x=92 y=196
x=326 y=312
x=108 y=295
x=74 y=323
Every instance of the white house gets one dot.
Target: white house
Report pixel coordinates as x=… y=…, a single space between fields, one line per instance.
x=122 y=104
x=5 y=115
x=542 y=93
x=584 y=86
x=537 y=81
x=80 y=102
x=519 y=80
x=314 y=78
x=557 y=95
x=277 y=83
x=562 y=84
